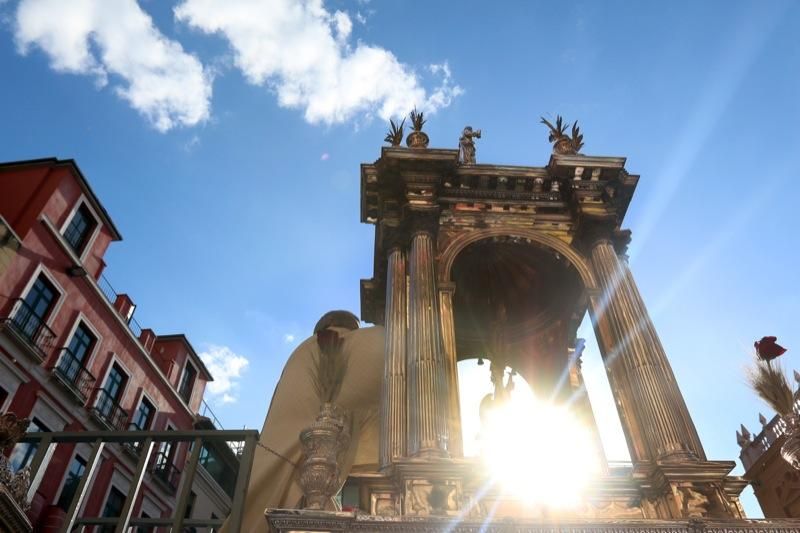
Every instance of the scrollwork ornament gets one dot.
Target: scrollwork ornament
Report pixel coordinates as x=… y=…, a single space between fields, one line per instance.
x=12 y=429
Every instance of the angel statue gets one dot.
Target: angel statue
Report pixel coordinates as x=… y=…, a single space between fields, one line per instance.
x=466 y=146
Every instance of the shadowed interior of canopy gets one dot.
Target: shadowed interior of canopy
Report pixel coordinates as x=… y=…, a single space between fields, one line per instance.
x=520 y=299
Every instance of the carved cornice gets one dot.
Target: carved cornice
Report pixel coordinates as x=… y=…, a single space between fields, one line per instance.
x=285 y=520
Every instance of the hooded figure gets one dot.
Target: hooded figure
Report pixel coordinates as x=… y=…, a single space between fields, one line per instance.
x=294 y=406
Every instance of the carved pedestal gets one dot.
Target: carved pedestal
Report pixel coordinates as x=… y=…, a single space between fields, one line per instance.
x=12 y=517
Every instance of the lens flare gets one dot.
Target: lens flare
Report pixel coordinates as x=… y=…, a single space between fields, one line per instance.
x=538 y=453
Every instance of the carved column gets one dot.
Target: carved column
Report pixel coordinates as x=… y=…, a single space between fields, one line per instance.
x=455 y=445
x=427 y=407
x=631 y=346
x=393 y=394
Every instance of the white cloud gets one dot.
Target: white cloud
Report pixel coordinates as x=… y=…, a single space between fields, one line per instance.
x=226 y=367
x=288 y=338
x=116 y=40
x=303 y=53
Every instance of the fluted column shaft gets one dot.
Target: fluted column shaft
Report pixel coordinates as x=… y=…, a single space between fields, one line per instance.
x=393 y=393
x=427 y=407
x=455 y=445
x=631 y=346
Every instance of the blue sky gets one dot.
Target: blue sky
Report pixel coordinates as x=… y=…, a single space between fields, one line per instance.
x=225 y=143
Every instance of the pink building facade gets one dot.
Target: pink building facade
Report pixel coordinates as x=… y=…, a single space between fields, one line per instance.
x=73 y=357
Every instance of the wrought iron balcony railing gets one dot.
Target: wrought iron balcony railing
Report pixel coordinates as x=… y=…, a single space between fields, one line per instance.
x=31 y=329
x=135 y=446
x=165 y=471
x=48 y=442
x=72 y=373
x=108 y=411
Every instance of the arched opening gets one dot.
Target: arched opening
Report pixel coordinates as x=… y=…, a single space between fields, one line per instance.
x=519 y=304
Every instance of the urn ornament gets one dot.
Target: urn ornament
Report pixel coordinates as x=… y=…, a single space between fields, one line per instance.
x=323 y=442
x=326 y=439
x=564 y=144
x=417 y=138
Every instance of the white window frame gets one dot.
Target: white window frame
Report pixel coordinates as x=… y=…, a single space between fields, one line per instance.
x=98 y=339
x=10 y=379
x=40 y=269
x=115 y=359
x=170 y=426
x=48 y=412
x=99 y=223
x=143 y=395
x=150 y=507
x=80 y=450
x=119 y=482
x=180 y=381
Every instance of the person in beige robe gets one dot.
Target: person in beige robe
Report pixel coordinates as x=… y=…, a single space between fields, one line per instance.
x=273 y=481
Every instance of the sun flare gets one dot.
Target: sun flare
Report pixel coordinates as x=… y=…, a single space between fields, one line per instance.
x=537 y=452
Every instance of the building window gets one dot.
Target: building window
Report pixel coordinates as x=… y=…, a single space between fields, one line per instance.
x=143 y=416
x=187 y=382
x=76 y=469
x=31 y=315
x=113 y=507
x=80 y=228
x=23 y=453
x=108 y=398
x=144 y=529
x=73 y=360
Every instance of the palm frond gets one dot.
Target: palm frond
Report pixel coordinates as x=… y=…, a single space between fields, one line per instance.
x=327 y=373
x=395 y=134
x=547 y=123
x=577 y=137
x=769 y=382
x=417 y=119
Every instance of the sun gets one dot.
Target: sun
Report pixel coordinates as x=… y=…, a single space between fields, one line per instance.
x=538 y=453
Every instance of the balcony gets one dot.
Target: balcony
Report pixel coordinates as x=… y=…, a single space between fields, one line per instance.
x=97 y=442
x=73 y=375
x=133 y=447
x=166 y=473
x=29 y=330
x=108 y=411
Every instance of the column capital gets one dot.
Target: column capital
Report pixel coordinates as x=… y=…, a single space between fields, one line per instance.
x=602 y=233
x=395 y=236
x=422 y=221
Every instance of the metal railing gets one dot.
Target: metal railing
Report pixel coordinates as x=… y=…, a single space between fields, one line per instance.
x=205 y=411
x=47 y=443
x=165 y=471
x=71 y=371
x=111 y=295
x=108 y=410
x=134 y=447
x=28 y=325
